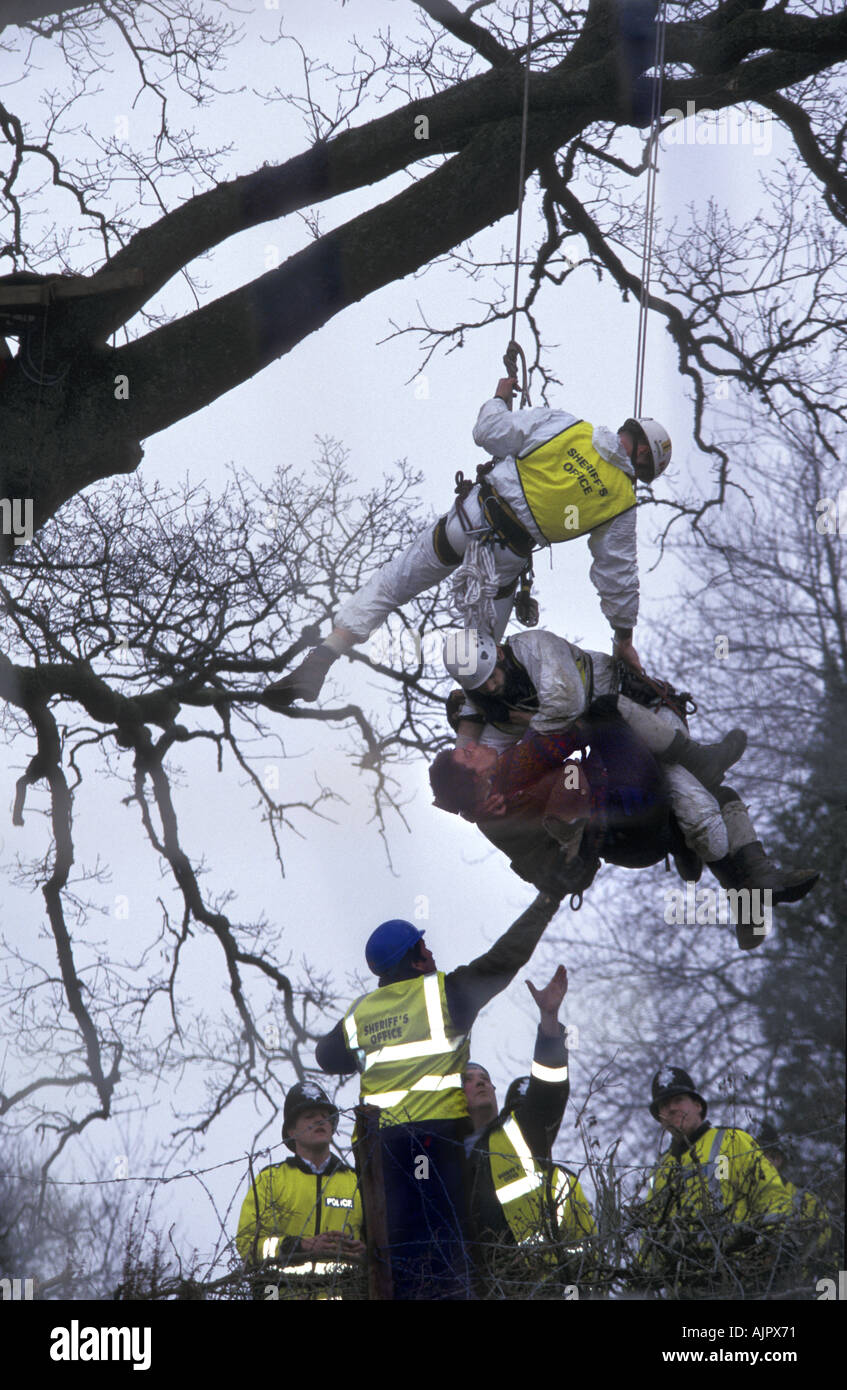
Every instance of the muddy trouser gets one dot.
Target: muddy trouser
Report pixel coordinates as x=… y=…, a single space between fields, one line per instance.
x=696 y=810
x=418 y=568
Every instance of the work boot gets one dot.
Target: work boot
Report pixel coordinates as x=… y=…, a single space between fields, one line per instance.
x=756 y=870
x=706 y=761
x=750 y=868
x=728 y=875
x=304 y=682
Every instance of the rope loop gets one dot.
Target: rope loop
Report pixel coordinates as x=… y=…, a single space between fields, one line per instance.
x=475 y=585
x=514 y=353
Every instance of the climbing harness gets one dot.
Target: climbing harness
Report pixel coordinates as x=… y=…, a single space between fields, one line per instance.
x=473 y=579
x=644 y=690
x=650 y=208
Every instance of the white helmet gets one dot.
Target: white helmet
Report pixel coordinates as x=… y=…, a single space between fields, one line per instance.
x=470 y=656
x=658 y=439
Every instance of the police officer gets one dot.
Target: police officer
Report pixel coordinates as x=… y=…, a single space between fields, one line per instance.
x=303 y=1216
x=518 y=1197
x=716 y=1214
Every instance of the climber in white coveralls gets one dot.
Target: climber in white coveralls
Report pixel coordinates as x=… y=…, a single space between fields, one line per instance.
x=554 y=477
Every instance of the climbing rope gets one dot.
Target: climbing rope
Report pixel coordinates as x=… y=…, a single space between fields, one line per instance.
x=650 y=208
x=475 y=584
x=514 y=351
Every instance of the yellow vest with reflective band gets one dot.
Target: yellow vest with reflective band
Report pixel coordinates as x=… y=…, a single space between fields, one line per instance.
x=285 y=1202
x=572 y=1212
x=519 y=1181
x=725 y=1169
x=570 y=488
x=410 y=1055
x=537 y=1203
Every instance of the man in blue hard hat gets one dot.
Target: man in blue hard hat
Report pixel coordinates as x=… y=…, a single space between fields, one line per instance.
x=410 y=1039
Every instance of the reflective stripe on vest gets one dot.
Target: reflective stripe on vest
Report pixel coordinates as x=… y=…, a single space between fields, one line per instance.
x=570 y=488
x=689 y=1168
x=551 y=1074
x=520 y=1194
x=418 y=1077
x=710 y=1164
x=561 y=1186
x=284 y=1202
x=270 y=1247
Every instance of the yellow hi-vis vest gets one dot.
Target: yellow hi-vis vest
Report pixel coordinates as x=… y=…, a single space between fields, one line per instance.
x=538 y=1203
x=571 y=1209
x=285 y=1202
x=725 y=1170
x=570 y=488
x=519 y=1181
x=410 y=1055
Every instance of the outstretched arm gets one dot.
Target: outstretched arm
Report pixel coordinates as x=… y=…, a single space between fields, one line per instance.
x=544 y=1105
x=470 y=987
x=614 y=573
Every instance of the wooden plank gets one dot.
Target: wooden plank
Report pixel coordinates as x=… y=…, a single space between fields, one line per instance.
x=70 y=287
x=369 y=1166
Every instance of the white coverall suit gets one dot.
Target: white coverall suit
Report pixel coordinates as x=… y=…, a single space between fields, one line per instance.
x=549 y=662
x=505 y=434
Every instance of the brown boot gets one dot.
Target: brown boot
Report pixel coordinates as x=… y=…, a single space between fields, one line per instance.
x=758 y=871
x=706 y=761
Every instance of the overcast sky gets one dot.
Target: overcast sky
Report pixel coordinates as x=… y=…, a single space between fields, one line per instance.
x=344 y=383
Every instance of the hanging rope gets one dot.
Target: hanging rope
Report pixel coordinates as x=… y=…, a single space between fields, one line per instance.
x=514 y=351
x=650 y=208
x=475 y=584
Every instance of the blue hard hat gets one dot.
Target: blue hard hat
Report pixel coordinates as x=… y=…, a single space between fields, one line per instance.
x=389 y=944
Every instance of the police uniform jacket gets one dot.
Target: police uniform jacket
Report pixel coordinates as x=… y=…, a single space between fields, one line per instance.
x=288 y=1201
